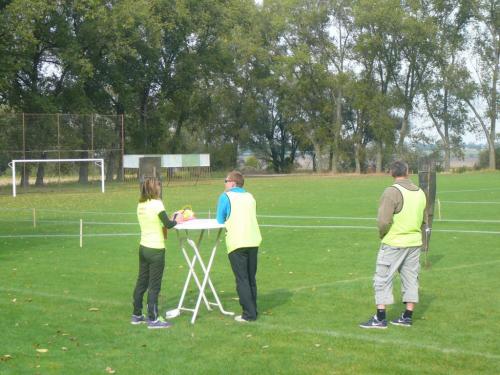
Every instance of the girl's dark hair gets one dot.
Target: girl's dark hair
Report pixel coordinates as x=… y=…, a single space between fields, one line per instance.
x=150 y=189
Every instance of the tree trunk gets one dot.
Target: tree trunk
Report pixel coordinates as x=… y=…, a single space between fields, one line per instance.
x=447 y=157
x=40 y=173
x=493 y=112
x=492 y=157
x=319 y=161
x=110 y=166
x=25 y=175
x=338 y=130
x=405 y=128
x=378 y=165
x=356 y=159
x=119 y=174
x=83 y=170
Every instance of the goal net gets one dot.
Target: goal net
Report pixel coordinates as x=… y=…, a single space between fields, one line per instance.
x=64 y=170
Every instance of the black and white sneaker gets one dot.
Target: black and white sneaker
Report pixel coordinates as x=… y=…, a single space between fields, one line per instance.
x=374 y=323
x=402 y=321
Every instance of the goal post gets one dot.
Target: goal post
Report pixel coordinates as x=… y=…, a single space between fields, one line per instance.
x=12 y=165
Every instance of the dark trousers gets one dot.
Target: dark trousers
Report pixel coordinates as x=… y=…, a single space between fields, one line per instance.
x=151 y=266
x=244 y=264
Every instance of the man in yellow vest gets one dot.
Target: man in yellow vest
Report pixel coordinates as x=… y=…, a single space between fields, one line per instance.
x=237 y=209
x=400 y=220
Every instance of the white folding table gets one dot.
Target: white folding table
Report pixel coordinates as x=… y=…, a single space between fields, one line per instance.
x=185 y=232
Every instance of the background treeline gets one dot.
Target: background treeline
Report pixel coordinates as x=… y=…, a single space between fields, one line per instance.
x=341 y=80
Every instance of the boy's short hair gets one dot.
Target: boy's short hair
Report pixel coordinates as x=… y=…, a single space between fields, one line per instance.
x=399 y=169
x=237 y=178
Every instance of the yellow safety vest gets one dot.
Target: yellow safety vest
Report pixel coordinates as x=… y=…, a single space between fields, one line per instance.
x=406 y=225
x=241 y=226
x=151 y=225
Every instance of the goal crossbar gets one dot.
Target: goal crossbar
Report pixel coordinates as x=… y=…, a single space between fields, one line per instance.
x=12 y=164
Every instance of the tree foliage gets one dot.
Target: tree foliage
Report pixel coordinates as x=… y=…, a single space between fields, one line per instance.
x=344 y=80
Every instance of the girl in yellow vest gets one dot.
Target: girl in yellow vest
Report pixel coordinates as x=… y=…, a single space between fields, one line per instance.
x=152 y=220
x=237 y=209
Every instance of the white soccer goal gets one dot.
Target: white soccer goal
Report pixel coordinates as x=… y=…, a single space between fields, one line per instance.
x=12 y=164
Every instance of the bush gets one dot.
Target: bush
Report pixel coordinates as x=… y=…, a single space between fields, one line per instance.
x=484 y=158
x=252 y=163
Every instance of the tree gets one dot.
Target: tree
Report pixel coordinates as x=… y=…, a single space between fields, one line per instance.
x=441 y=90
x=487 y=45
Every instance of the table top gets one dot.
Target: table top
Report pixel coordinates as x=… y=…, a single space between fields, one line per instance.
x=197 y=224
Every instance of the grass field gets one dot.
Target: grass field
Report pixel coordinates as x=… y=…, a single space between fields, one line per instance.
x=315 y=269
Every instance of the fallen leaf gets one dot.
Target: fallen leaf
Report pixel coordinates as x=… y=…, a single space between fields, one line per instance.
x=64 y=348
x=5 y=357
x=317 y=345
x=109 y=370
x=265 y=347
x=94 y=309
x=14 y=300
x=40 y=350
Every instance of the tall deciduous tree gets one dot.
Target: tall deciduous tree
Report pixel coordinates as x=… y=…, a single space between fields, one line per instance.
x=441 y=87
x=487 y=43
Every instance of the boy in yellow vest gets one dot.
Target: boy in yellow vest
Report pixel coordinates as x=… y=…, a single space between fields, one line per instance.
x=237 y=209
x=400 y=219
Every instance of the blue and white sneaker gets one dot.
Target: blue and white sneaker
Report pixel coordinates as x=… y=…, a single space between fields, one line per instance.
x=137 y=319
x=158 y=324
x=402 y=321
x=374 y=323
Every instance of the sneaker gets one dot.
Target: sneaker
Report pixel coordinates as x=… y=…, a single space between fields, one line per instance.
x=240 y=319
x=402 y=321
x=137 y=319
x=158 y=324
x=374 y=323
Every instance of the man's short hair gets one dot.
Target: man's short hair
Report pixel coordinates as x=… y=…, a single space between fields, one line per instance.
x=237 y=178
x=399 y=169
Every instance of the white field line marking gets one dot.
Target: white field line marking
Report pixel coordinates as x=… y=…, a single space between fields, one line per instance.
x=470 y=202
x=462 y=191
x=262 y=225
x=376 y=339
x=348 y=281
x=315 y=217
x=63 y=296
x=366 y=227
x=66 y=211
x=68 y=235
x=300 y=217
x=330 y=333
x=317 y=226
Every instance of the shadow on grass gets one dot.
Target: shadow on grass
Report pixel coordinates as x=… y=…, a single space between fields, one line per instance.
x=426 y=300
x=432 y=259
x=273 y=299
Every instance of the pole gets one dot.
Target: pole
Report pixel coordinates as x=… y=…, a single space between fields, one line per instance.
x=102 y=175
x=13 y=178
x=123 y=146
x=24 y=153
x=81 y=233
x=439 y=209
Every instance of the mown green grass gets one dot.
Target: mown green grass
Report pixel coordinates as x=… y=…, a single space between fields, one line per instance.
x=314 y=284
